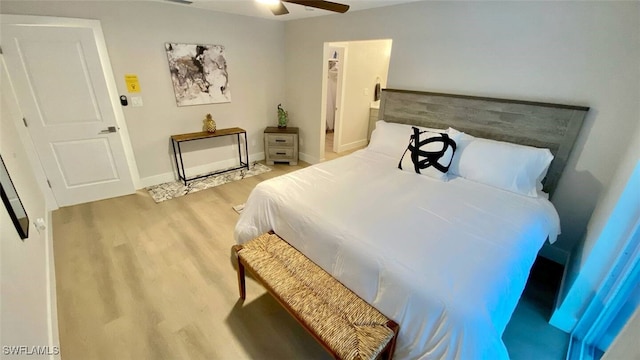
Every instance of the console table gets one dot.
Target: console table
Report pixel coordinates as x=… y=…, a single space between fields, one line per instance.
x=176 y=140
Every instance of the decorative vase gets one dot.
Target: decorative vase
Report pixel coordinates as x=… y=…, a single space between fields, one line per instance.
x=209 y=124
x=283 y=117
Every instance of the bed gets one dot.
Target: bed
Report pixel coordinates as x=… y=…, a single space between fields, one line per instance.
x=447 y=260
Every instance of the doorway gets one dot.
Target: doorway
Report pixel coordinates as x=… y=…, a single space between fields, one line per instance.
x=335 y=67
x=353 y=74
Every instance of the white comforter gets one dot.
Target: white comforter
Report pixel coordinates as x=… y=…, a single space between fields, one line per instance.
x=447 y=261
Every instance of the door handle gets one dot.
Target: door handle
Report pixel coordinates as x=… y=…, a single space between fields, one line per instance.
x=110 y=129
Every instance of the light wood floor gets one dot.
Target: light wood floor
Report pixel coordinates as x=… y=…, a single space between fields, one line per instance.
x=140 y=280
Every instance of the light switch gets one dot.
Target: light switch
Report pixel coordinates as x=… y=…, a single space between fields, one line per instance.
x=136 y=101
x=366 y=91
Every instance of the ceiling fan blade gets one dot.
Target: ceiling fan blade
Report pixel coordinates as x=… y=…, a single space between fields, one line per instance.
x=319 y=4
x=278 y=8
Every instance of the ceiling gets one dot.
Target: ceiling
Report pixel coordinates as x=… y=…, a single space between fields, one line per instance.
x=255 y=9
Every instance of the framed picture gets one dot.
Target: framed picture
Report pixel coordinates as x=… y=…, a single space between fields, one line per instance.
x=199 y=74
x=12 y=202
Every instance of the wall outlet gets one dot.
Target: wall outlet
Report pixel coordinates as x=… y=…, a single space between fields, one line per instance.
x=40 y=224
x=136 y=101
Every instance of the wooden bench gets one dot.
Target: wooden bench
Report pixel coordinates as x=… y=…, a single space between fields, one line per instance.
x=343 y=323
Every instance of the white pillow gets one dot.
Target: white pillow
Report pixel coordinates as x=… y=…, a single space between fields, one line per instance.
x=392 y=138
x=462 y=141
x=429 y=153
x=516 y=168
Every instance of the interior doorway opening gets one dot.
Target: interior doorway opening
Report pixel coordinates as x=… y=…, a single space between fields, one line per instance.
x=353 y=74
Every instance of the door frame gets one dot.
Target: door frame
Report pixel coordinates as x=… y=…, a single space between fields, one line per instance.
x=343 y=50
x=112 y=89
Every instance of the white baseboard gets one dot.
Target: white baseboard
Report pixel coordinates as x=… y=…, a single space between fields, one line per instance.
x=195 y=170
x=556 y=314
x=561 y=320
x=308 y=158
x=352 y=145
x=52 y=303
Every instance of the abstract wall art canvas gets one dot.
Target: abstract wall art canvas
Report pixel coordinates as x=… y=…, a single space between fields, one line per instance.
x=199 y=73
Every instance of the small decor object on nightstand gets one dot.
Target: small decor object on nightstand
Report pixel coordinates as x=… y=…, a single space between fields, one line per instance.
x=283 y=117
x=209 y=124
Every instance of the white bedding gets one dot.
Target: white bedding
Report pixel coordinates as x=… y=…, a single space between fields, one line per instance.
x=446 y=260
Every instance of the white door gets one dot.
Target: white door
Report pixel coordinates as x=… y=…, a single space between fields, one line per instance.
x=62 y=87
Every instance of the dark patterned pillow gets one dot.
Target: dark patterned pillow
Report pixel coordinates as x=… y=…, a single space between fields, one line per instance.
x=428 y=153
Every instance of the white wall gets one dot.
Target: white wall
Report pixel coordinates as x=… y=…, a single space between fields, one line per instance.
x=580 y=53
x=608 y=233
x=135 y=33
x=625 y=346
x=27 y=282
x=365 y=60
x=604 y=222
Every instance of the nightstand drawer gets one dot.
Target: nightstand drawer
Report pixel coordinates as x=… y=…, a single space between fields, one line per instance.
x=283 y=140
x=280 y=153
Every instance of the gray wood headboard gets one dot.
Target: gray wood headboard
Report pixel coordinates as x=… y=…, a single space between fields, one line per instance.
x=542 y=125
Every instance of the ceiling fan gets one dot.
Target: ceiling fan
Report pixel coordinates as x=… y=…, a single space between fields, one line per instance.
x=277 y=6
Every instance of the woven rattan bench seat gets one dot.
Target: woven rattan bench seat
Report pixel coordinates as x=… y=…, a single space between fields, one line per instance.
x=341 y=321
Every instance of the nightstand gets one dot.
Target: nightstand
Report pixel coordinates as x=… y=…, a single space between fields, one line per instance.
x=281 y=145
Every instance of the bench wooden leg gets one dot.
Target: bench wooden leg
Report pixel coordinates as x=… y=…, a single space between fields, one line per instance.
x=387 y=353
x=241 y=282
